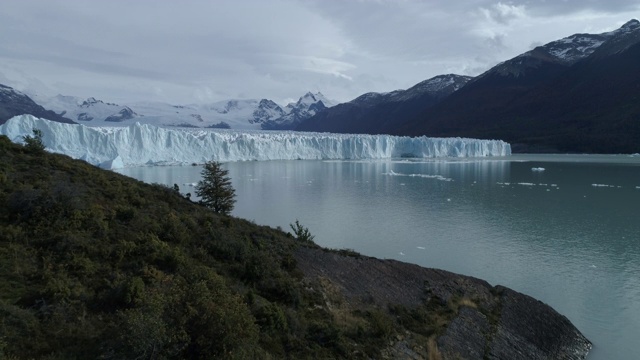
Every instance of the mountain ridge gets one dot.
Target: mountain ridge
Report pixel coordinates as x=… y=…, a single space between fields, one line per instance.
x=14 y=103
x=552 y=106
x=373 y=113
x=234 y=113
x=557 y=97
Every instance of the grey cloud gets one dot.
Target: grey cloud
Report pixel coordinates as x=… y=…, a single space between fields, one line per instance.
x=504 y=13
x=203 y=50
x=564 y=7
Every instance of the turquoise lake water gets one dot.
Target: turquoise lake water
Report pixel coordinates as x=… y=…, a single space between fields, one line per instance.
x=568 y=235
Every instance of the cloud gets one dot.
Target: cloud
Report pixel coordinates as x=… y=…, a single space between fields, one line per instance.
x=503 y=13
x=203 y=51
x=568 y=7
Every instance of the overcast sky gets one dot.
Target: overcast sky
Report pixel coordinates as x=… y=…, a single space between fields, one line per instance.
x=204 y=51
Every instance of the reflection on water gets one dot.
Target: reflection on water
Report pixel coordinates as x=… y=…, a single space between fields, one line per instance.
x=567 y=235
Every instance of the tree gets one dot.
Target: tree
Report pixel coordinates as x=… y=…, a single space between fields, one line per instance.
x=215 y=188
x=34 y=143
x=302 y=232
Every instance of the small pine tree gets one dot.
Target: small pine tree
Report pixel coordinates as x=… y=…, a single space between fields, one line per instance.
x=34 y=143
x=302 y=233
x=215 y=188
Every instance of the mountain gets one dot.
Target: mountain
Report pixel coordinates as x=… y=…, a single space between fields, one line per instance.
x=577 y=94
x=307 y=106
x=376 y=113
x=14 y=103
x=235 y=114
x=267 y=110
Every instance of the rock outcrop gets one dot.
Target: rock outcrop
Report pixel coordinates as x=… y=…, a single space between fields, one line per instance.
x=482 y=321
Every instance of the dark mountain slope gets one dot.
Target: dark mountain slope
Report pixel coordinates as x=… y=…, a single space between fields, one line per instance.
x=593 y=107
x=375 y=113
x=590 y=106
x=14 y=103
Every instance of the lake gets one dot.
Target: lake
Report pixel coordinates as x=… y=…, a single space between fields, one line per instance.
x=564 y=229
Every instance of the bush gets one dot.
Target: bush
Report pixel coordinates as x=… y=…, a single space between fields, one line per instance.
x=302 y=233
x=34 y=143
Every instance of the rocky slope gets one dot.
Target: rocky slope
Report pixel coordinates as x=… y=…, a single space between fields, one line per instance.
x=484 y=322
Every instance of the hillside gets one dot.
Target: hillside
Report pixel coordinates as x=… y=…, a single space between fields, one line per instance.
x=540 y=101
x=97 y=265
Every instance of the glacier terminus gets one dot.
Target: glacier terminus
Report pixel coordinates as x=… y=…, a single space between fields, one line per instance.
x=145 y=144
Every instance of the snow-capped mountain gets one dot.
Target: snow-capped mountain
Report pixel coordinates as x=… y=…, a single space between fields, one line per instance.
x=374 y=113
x=296 y=113
x=14 y=102
x=576 y=94
x=235 y=114
x=87 y=110
x=438 y=86
x=620 y=40
x=566 y=51
x=267 y=110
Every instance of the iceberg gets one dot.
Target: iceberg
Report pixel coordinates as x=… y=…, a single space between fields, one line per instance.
x=144 y=144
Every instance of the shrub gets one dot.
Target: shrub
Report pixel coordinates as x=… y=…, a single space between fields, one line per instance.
x=302 y=233
x=34 y=143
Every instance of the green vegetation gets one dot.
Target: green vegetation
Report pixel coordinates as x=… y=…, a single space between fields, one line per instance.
x=302 y=233
x=97 y=265
x=34 y=143
x=215 y=188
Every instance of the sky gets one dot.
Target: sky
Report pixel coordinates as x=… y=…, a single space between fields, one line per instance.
x=197 y=51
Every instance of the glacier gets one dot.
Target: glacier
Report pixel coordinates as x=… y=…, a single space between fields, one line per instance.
x=144 y=144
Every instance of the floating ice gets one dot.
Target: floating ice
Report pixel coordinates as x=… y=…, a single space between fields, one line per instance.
x=605 y=186
x=426 y=176
x=143 y=144
x=537 y=169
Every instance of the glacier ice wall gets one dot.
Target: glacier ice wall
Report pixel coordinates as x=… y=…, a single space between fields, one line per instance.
x=143 y=144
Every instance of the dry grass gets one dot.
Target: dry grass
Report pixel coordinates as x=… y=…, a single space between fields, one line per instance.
x=432 y=348
x=338 y=307
x=468 y=303
x=456 y=303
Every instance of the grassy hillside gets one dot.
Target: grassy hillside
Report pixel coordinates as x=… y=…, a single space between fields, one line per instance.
x=97 y=265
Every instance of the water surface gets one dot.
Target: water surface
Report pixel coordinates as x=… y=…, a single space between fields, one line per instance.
x=568 y=235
